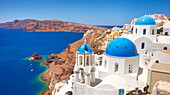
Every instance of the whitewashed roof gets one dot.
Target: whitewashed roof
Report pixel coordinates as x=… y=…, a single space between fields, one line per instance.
x=164 y=39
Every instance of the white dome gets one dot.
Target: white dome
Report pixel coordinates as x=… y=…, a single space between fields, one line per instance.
x=166 y=24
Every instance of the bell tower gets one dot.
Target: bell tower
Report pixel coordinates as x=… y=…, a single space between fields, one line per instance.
x=84 y=70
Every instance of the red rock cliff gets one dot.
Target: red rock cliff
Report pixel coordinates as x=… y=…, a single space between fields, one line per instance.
x=47 y=25
x=60 y=66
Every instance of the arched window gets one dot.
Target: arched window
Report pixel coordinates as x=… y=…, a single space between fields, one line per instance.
x=144 y=31
x=80 y=60
x=157 y=61
x=142 y=45
x=166 y=33
x=130 y=68
x=116 y=67
x=81 y=75
x=136 y=30
x=153 y=32
x=87 y=61
x=165 y=48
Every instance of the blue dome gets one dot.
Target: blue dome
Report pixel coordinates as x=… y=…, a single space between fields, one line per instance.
x=84 y=49
x=121 y=47
x=145 y=20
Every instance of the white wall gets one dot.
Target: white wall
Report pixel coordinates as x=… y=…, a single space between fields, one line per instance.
x=123 y=64
x=161 y=56
x=81 y=89
x=111 y=63
x=134 y=61
x=166 y=30
x=147 y=27
x=160 y=46
x=148 y=44
x=164 y=39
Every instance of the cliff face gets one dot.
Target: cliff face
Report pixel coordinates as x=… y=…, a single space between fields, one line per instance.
x=47 y=25
x=60 y=66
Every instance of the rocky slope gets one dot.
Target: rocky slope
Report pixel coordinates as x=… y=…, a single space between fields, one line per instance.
x=60 y=66
x=47 y=25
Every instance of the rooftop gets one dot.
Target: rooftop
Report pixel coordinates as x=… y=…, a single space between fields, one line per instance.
x=166 y=51
x=145 y=20
x=161 y=67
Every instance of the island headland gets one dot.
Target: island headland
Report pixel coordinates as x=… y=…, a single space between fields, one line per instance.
x=32 y=25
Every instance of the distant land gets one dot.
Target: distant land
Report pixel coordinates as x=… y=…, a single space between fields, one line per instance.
x=32 y=25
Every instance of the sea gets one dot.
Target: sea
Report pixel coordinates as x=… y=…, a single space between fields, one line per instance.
x=19 y=76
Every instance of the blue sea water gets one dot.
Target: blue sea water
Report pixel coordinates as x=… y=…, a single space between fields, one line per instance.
x=16 y=77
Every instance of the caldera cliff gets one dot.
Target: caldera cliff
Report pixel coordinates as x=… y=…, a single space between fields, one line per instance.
x=32 y=25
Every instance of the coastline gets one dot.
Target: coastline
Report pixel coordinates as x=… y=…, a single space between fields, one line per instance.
x=41 y=80
x=30 y=71
x=63 y=61
x=62 y=64
x=38 y=78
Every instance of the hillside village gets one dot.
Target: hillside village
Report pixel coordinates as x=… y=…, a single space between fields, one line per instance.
x=148 y=43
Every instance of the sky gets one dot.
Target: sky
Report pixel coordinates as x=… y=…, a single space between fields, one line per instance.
x=93 y=12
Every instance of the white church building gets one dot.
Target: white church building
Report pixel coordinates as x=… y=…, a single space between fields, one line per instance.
x=122 y=67
x=145 y=36
x=118 y=69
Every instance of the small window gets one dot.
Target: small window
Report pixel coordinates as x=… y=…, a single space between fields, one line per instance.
x=116 y=67
x=144 y=31
x=157 y=61
x=87 y=61
x=136 y=30
x=153 y=32
x=165 y=48
x=142 y=45
x=80 y=60
x=166 y=33
x=105 y=64
x=130 y=68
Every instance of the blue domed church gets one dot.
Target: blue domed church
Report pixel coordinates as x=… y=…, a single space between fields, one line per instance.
x=119 y=66
x=145 y=36
x=121 y=56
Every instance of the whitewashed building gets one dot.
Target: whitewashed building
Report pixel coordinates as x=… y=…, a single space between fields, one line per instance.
x=117 y=69
x=166 y=28
x=124 y=64
x=146 y=38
